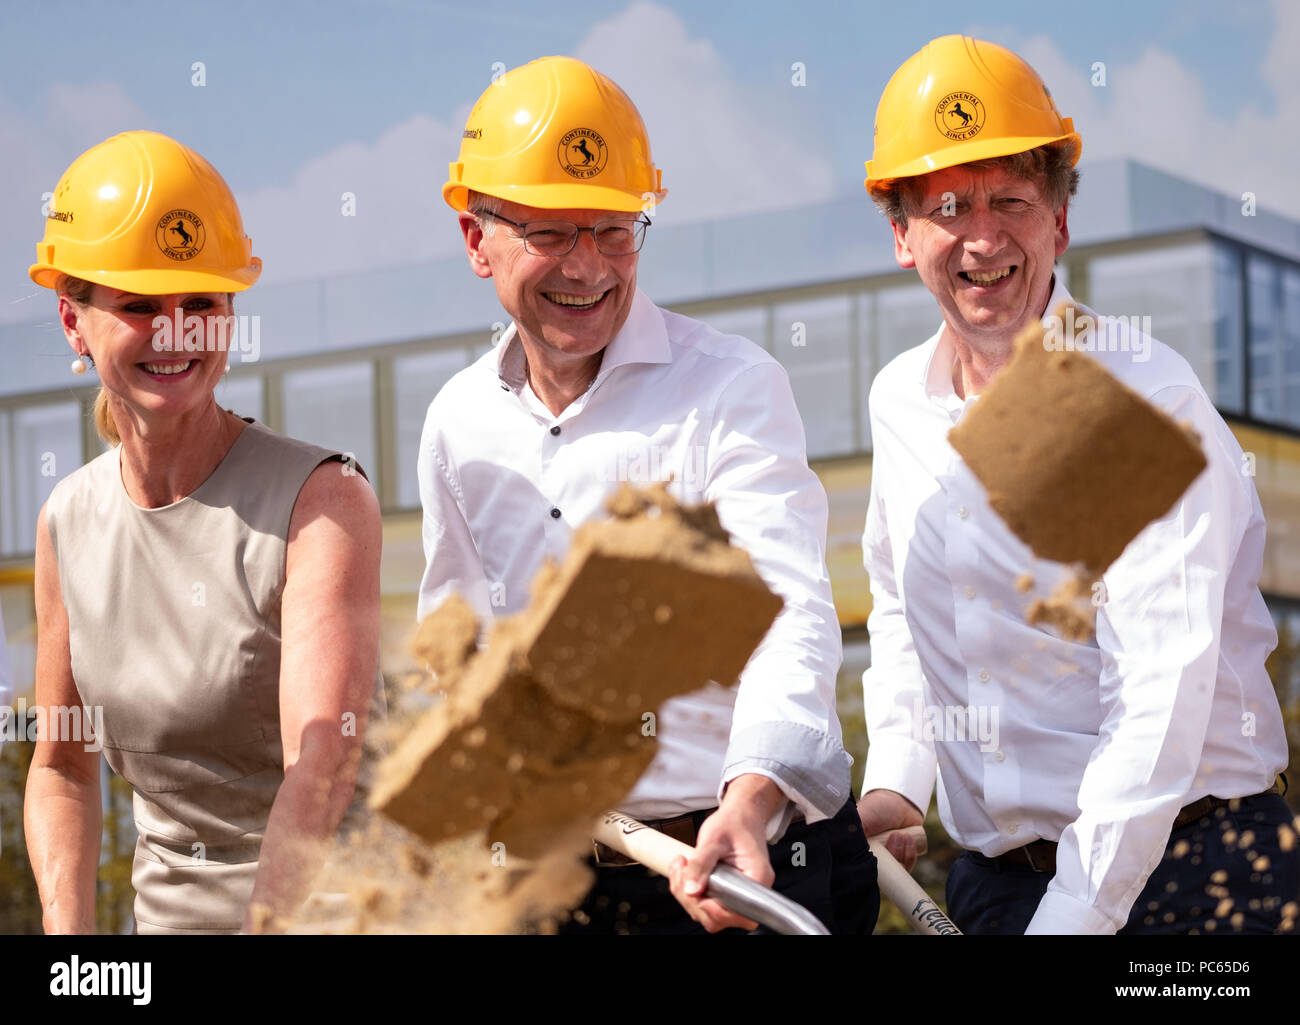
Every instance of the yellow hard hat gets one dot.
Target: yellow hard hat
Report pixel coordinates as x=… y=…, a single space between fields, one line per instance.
x=957 y=100
x=142 y=213
x=556 y=134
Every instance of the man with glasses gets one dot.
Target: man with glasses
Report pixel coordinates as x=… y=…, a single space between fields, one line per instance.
x=593 y=385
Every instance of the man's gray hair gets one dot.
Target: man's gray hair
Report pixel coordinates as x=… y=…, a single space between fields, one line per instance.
x=479 y=203
x=1051 y=166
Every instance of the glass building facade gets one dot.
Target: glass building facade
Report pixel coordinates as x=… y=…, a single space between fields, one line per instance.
x=353 y=363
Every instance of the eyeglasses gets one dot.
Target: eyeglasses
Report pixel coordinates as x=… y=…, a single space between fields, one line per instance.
x=615 y=236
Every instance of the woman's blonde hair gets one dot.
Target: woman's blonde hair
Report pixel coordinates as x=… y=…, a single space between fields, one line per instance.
x=79 y=291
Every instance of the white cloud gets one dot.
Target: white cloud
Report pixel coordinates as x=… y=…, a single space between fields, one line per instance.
x=725 y=148
x=1156 y=109
x=300 y=229
x=37 y=146
x=723 y=151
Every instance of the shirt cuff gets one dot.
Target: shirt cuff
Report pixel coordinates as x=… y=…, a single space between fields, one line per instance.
x=810 y=767
x=903 y=765
x=1061 y=914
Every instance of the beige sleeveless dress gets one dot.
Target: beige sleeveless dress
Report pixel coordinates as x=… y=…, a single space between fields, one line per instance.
x=174 y=622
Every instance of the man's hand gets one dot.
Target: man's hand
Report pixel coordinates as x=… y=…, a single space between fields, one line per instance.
x=880 y=810
x=736 y=834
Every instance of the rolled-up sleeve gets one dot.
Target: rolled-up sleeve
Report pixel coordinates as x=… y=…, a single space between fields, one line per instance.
x=785 y=725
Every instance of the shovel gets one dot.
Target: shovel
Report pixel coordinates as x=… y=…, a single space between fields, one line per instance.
x=737 y=892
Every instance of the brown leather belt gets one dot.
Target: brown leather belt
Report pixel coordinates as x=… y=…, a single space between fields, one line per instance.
x=683 y=827
x=1040 y=856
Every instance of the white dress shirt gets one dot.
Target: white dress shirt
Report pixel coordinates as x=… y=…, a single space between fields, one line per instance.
x=1096 y=745
x=503 y=483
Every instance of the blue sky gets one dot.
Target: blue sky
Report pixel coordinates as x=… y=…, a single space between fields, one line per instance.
x=303 y=101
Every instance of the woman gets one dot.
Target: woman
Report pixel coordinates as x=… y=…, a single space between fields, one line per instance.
x=212 y=585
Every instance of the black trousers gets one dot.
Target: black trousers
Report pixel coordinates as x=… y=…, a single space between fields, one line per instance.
x=1204 y=863
x=827 y=867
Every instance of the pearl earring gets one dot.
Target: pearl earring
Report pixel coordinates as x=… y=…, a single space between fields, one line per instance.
x=79 y=365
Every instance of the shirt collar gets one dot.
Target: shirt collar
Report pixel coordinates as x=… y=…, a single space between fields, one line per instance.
x=643 y=338
x=936 y=377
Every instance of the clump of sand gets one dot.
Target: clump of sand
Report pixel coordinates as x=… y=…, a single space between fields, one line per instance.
x=1070 y=608
x=1076 y=464
x=496 y=786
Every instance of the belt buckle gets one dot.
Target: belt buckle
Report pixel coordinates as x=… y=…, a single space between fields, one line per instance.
x=1029 y=857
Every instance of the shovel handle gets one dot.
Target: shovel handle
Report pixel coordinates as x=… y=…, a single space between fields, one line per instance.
x=727 y=885
x=896 y=883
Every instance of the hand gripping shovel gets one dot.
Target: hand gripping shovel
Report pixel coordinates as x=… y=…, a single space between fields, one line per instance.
x=729 y=886
x=738 y=893
x=896 y=883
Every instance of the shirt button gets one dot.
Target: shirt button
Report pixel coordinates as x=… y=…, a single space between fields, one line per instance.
x=970 y=591
x=1013 y=829
x=984 y=676
x=555 y=430
x=963 y=512
x=998 y=756
x=555 y=514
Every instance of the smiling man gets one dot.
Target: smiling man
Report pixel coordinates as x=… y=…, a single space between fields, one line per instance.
x=1132 y=785
x=593 y=384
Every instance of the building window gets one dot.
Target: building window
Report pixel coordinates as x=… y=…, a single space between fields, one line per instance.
x=747 y=321
x=1176 y=286
x=243 y=395
x=18 y=610
x=867 y=365
x=1229 y=332
x=1289 y=357
x=416 y=380
x=1284 y=662
x=890 y=321
x=812 y=339
x=1273 y=303
x=39 y=446
x=1264 y=288
x=905 y=316
x=335 y=407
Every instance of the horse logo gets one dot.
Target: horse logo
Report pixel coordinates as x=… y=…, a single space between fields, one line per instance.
x=180 y=235
x=959 y=116
x=179 y=227
x=582 y=153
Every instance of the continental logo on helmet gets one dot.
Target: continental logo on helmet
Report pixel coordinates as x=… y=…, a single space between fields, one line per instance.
x=582 y=153
x=959 y=116
x=180 y=235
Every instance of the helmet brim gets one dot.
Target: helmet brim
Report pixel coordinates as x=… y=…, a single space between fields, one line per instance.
x=153 y=282
x=969 y=152
x=558 y=197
